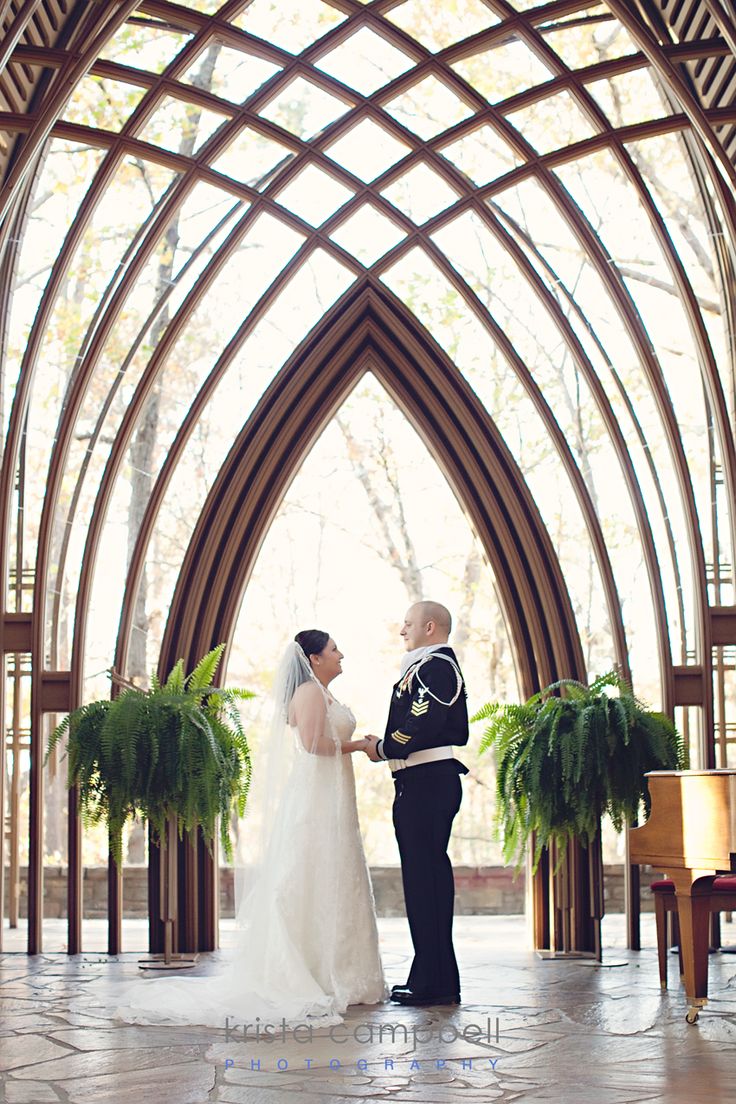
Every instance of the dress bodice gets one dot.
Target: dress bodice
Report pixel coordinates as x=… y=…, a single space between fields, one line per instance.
x=339 y=723
x=341 y=719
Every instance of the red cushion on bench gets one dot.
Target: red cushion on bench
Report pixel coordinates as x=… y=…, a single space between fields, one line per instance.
x=725 y=883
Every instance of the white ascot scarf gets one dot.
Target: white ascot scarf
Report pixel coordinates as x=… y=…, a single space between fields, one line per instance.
x=409 y=658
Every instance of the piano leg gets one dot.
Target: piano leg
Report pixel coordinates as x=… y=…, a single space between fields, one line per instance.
x=662 y=942
x=693 y=916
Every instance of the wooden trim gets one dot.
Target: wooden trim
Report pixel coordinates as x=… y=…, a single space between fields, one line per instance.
x=74 y=886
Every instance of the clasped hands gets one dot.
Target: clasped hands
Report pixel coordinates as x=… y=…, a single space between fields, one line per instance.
x=367 y=744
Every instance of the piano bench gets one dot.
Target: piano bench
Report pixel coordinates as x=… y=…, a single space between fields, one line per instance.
x=721 y=898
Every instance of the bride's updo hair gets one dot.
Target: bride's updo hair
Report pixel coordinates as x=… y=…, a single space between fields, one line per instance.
x=295 y=668
x=312 y=641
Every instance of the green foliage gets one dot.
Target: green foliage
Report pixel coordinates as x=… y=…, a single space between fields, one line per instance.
x=177 y=749
x=563 y=761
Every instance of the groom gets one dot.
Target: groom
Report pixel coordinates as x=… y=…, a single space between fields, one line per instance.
x=427 y=716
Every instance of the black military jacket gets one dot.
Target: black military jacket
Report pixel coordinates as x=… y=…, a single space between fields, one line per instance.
x=420 y=716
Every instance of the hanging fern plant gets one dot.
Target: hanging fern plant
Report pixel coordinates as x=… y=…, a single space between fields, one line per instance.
x=177 y=748
x=563 y=761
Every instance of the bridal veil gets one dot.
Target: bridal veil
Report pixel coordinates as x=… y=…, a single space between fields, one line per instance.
x=290 y=878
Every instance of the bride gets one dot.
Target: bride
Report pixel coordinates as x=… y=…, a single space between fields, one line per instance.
x=307 y=944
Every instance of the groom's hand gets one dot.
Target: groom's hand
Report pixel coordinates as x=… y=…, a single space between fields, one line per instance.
x=371 y=749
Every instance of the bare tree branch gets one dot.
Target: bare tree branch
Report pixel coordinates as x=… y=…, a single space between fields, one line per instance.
x=405 y=564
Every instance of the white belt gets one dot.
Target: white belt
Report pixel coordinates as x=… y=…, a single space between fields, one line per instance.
x=427 y=756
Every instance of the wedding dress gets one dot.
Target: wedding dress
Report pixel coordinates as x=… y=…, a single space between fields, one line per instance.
x=307 y=943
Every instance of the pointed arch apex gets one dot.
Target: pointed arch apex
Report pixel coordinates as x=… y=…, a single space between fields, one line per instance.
x=370 y=330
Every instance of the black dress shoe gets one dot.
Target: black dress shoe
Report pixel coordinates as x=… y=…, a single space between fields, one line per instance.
x=400 y=989
x=406 y=996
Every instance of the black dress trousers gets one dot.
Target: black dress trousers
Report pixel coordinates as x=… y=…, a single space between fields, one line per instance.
x=427 y=798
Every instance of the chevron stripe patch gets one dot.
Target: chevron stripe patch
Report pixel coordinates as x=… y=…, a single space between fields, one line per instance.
x=418 y=709
x=401 y=737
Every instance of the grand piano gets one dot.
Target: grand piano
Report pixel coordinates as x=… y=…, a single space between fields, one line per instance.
x=691 y=837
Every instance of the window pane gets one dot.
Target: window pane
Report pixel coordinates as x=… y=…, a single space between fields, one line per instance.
x=551 y=123
x=627 y=234
x=253 y=158
x=291 y=24
x=538 y=228
x=588 y=43
x=67 y=171
x=420 y=193
x=367 y=150
x=439 y=25
x=630 y=98
x=102 y=103
x=149 y=47
x=234 y=75
x=365 y=61
x=503 y=70
x=313 y=195
x=482 y=155
x=180 y=126
x=367 y=234
x=428 y=108
x=303 y=108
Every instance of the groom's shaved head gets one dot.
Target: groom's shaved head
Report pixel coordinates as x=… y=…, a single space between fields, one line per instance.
x=433 y=611
x=425 y=623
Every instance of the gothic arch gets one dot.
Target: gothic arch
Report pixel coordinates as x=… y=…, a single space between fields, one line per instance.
x=372 y=332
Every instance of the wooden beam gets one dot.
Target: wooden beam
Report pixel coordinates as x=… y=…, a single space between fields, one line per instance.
x=55 y=691
x=723 y=624
x=689 y=685
x=16 y=632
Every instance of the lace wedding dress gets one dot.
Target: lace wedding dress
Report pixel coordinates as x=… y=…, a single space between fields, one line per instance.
x=308 y=941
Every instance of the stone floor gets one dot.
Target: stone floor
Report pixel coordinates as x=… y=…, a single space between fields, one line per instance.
x=533 y=1031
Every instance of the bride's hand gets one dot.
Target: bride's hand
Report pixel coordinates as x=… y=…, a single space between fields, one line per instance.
x=356 y=745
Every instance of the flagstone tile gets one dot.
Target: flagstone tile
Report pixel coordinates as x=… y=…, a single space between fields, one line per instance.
x=30 y=1092
x=63 y=1017
x=21 y=1004
x=28 y=1053
x=76 y=1065
x=130 y=1037
x=236 y=1094
x=186 y=1083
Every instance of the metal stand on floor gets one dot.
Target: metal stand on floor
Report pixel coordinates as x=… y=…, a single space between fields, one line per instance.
x=168 y=902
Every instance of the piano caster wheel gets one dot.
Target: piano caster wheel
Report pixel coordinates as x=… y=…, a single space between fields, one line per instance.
x=692 y=1015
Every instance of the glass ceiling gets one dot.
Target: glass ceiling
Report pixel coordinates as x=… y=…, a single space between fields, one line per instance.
x=519 y=176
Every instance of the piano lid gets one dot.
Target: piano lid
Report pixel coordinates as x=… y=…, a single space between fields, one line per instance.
x=692 y=823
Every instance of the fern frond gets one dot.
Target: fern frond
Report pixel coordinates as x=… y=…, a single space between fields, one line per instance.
x=58 y=734
x=202 y=675
x=175 y=681
x=485 y=712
